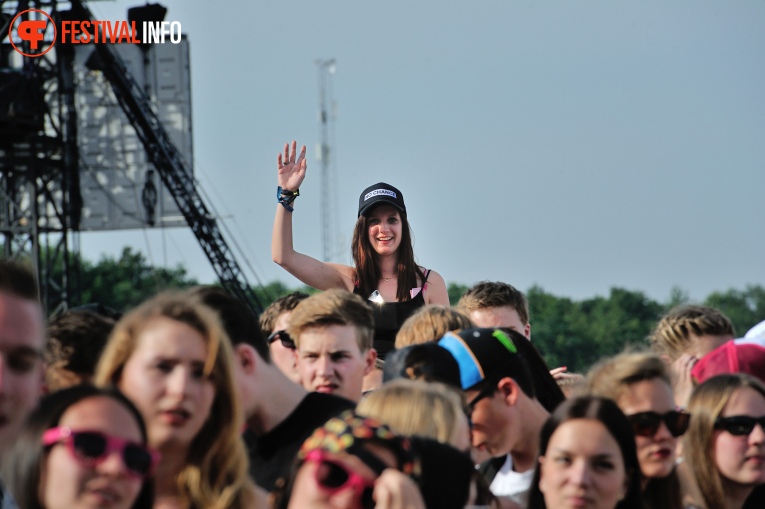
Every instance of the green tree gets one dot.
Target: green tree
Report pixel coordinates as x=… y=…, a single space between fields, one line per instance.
x=455 y=291
x=744 y=308
x=124 y=282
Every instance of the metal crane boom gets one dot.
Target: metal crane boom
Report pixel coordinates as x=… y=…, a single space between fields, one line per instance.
x=166 y=158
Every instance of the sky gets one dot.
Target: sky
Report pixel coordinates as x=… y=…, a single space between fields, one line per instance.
x=577 y=146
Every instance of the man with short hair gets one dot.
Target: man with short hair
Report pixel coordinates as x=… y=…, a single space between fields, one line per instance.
x=497 y=304
x=22 y=341
x=507 y=417
x=280 y=414
x=273 y=323
x=333 y=333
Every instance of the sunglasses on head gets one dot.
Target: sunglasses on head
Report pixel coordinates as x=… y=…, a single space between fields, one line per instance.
x=281 y=335
x=739 y=425
x=332 y=476
x=92 y=447
x=646 y=424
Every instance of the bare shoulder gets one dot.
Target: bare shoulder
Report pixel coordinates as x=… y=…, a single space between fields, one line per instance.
x=346 y=273
x=436 y=291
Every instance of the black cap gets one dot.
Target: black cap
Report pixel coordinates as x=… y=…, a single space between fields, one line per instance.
x=380 y=193
x=483 y=354
x=426 y=361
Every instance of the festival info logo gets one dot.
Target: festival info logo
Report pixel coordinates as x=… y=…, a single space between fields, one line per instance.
x=30 y=32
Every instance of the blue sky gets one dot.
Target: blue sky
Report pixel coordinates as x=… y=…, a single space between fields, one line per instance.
x=573 y=145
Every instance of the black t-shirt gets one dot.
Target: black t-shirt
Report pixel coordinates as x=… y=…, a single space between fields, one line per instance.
x=272 y=454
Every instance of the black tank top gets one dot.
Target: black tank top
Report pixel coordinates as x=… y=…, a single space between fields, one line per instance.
x=389 y=316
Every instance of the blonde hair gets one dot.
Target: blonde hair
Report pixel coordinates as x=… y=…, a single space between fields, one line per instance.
x=611 y=377
x=215 y=474
x=413 y=407
x=707 y=403
x=430 y=323
x=333 y=307
x=672 y=335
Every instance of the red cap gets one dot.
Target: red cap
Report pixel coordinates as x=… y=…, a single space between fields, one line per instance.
x=739 y=356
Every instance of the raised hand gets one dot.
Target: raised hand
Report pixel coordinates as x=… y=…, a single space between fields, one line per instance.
x=291 y=167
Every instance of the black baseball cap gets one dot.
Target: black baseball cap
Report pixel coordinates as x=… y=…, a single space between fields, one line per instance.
x=380 y=193
x=485 y=354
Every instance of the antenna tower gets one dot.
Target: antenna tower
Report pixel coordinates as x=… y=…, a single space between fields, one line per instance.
x=326 y=158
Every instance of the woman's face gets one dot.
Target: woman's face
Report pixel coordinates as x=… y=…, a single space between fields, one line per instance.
x=68 y=483
x=583 y=467
x=165 y=379
x=741 y=458
x=655 y=453
x=310 y=487
x=384 y=226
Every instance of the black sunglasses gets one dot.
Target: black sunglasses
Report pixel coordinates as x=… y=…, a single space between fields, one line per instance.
x=281 y=335
x=646 y=424
x=739 y=425
x=490 y=389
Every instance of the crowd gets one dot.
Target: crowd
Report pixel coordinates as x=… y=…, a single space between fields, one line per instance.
x=372 y=394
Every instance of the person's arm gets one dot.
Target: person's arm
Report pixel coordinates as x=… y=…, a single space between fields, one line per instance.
x=314 y=273
x=436 y=292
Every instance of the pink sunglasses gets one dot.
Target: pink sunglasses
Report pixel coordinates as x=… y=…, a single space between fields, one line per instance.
x=332 y=476
x=93 y=447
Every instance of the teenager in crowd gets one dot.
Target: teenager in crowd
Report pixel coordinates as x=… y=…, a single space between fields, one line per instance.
x=385 y=270
x=725 y=443
x=587 y=459
x=639 y=383
x=82 y=447
x=171 y=357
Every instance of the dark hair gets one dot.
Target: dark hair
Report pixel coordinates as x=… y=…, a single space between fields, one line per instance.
x=365 y=259
x=240 y=324
x=76 y=339
x=18 y=280
x=278 y=307
x=530 y=372
x=22 y=464
x=607 y=413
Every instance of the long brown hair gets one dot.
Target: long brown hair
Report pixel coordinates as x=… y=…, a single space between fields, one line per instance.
x=368 y=270
x=707 y=403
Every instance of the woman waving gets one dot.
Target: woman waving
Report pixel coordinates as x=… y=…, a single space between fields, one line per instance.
x=385 y=270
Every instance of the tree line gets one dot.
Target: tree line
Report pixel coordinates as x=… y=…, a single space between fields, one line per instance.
x=572 y=333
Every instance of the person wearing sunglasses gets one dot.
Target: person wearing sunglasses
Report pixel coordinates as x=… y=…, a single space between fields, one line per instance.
x=273 y=323
x=725 y=443
x=352 y=462
x=639 y=383
x=171 y=357
x=510 y=394
x=82 y=447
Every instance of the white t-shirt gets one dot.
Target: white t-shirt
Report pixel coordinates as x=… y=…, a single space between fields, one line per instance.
x=512 y=484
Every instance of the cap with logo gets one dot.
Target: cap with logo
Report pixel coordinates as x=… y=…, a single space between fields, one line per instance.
x=485 y=354
x=378 y=194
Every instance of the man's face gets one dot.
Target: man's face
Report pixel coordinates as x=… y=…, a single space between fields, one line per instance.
x=283 y=357
x=21 y=367
x=493 y=430
x=502 y=316
x=330 y=361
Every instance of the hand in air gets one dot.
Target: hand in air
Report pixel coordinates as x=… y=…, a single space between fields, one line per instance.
x=291 y=167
